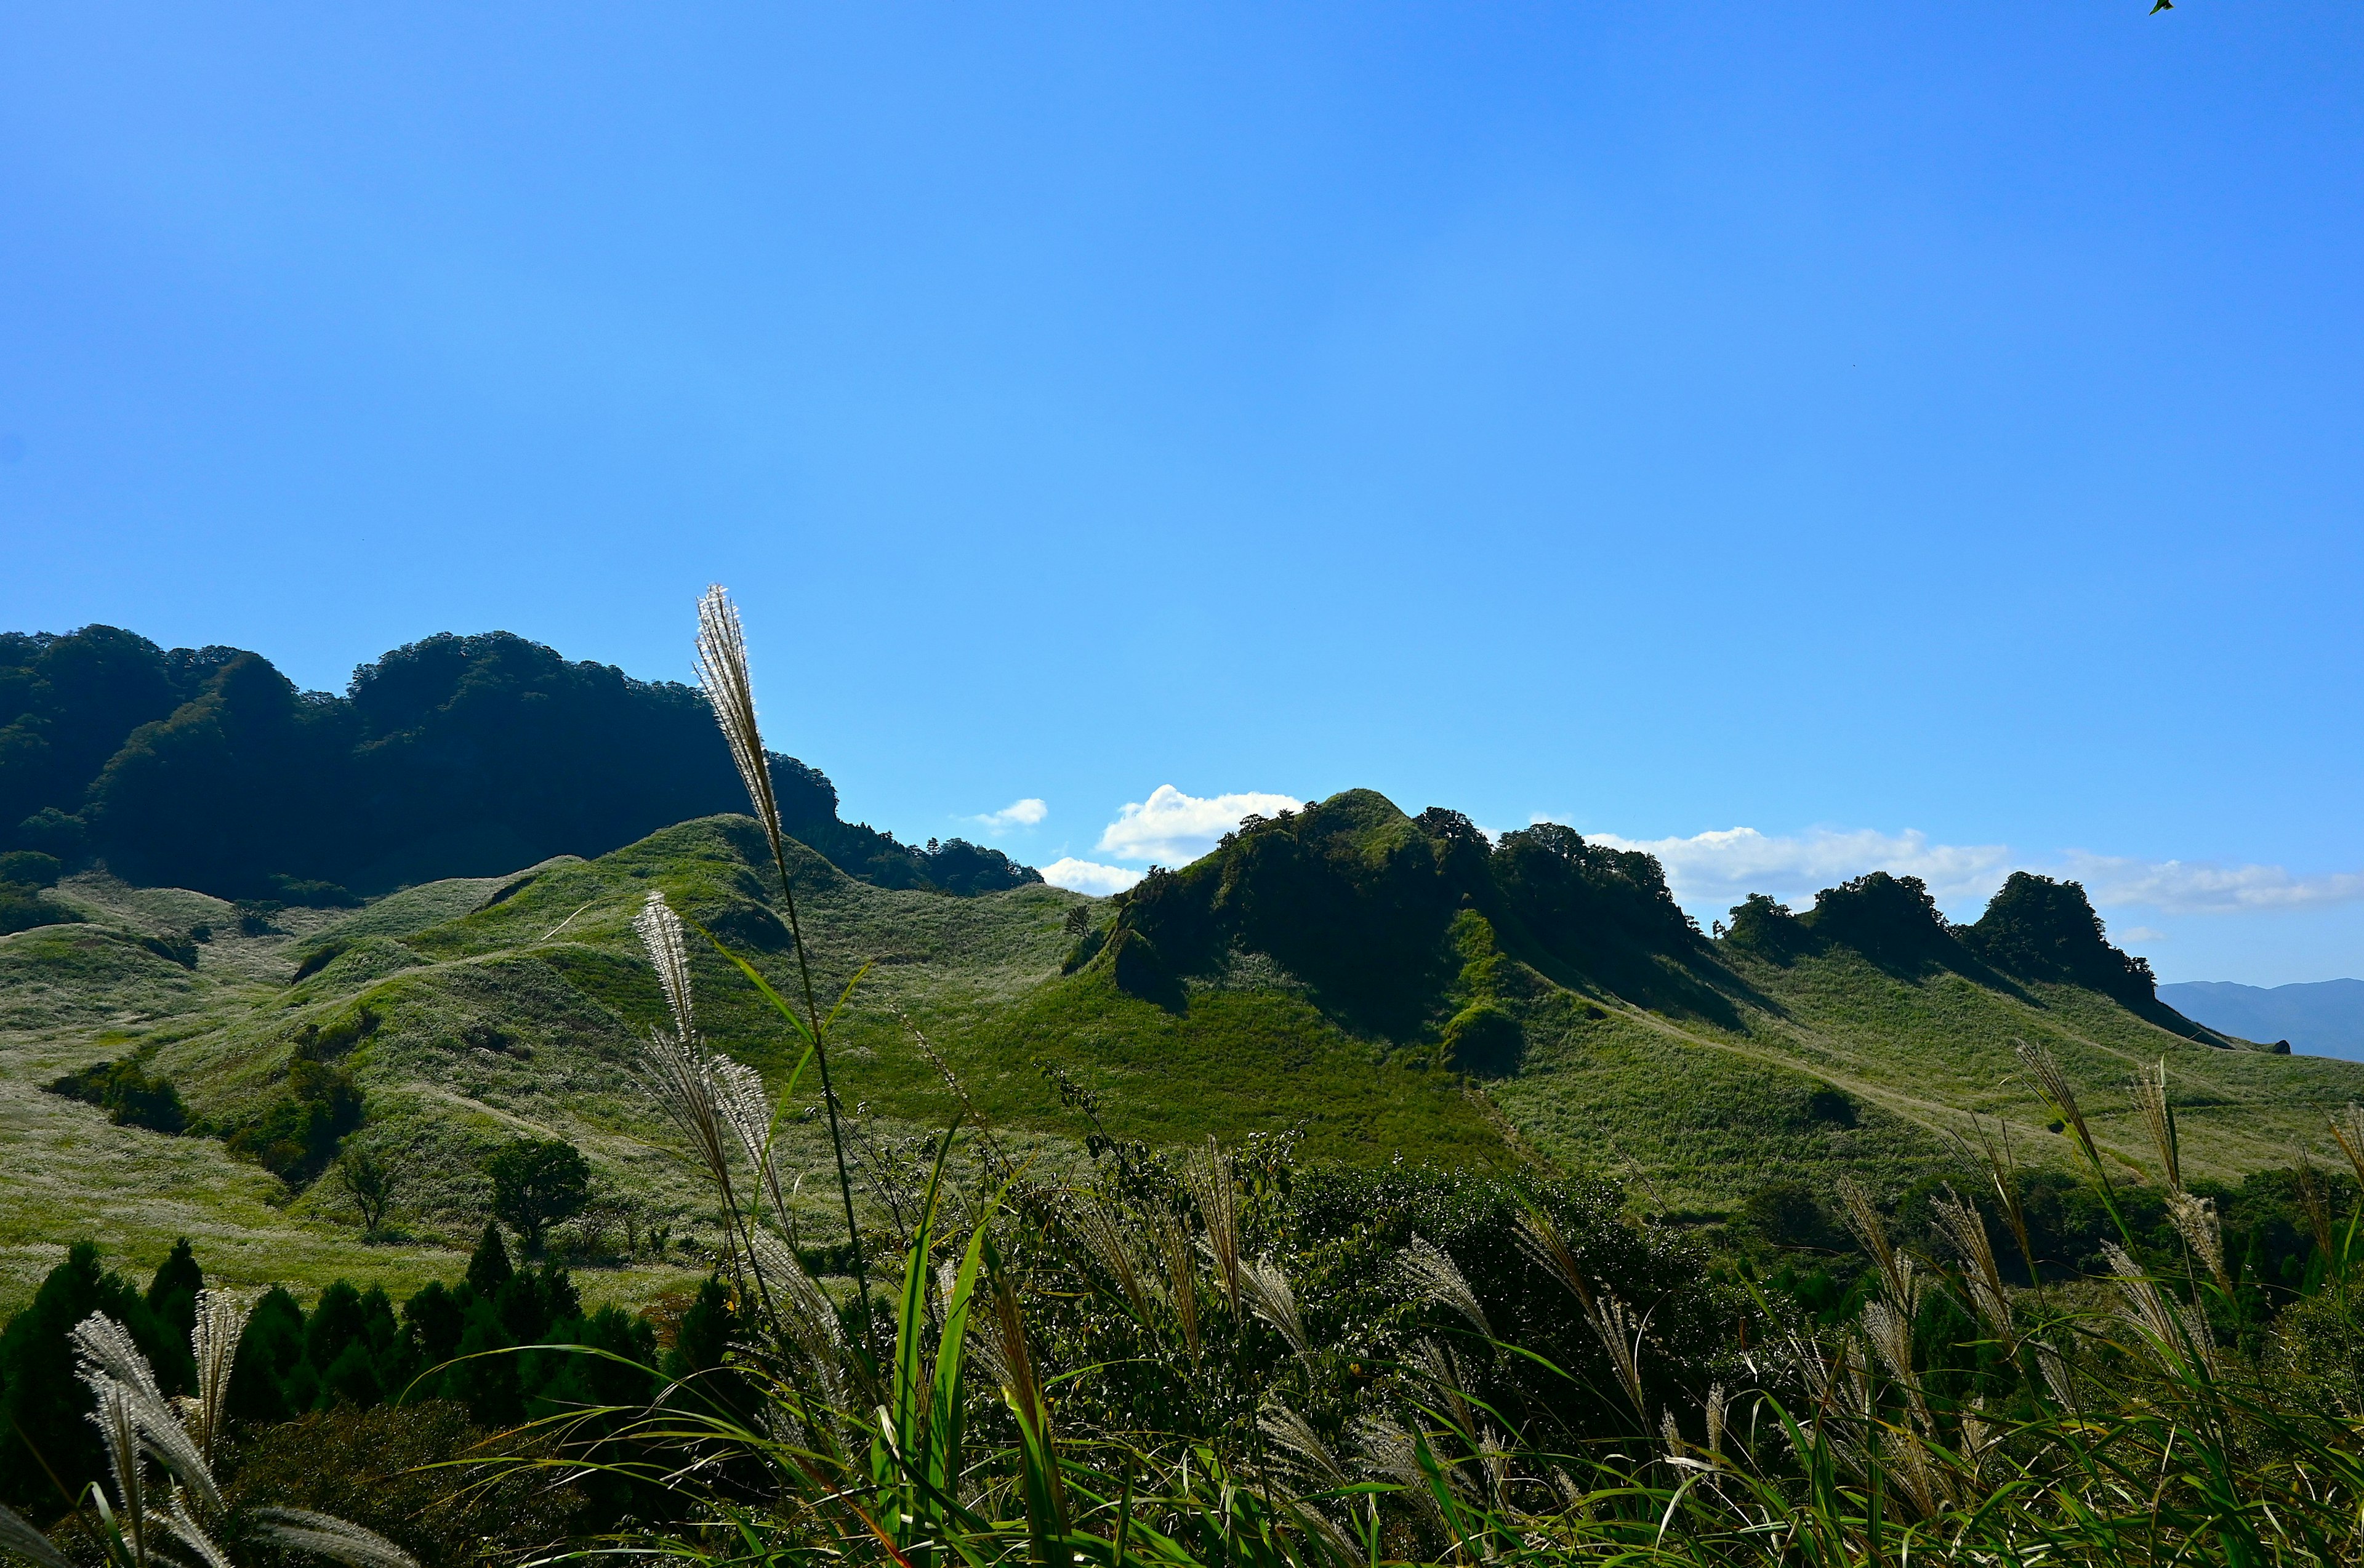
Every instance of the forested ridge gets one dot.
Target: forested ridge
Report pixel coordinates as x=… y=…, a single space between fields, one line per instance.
x=207 y=768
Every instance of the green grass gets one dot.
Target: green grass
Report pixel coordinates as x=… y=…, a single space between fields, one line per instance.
x=509 y=1007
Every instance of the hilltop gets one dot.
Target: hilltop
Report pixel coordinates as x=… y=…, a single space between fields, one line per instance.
x=205 y=768
x=1385 y=987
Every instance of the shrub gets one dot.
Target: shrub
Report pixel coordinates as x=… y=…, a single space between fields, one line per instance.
x=131 y=1097
x=1484 y=1040
x=297 y=1133
x=22 y=908
x=31 y=868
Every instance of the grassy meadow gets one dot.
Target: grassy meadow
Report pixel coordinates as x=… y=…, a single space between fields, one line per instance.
x=481 y=1009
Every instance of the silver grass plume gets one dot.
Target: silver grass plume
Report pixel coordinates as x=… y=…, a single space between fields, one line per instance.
x=101 y=1344
x=2195 y=1221
x=1909 y=1466
x=1539 y=1239
x=177 y=1520
x=1967 y=1229
x=1387 y=1449
x=1717 y=1404
x=730 y=691
x=660 y=934
x=746 y=1106
x=2057 y=1376
x=1427 y=1272
x=2002 y=1172
x=1268 y=1294
x=2178 y=1335
x=1211 y=1183
x=19 y=1539
x=337 y=1540
x=2150 y=1098
x=1093 y=1225
x=120 y=1433
x=1979 y=1437
x=2052 y=1085
x=1621 y=1338
x=213 y=1344
x=1295 y=1435
x=1181 y=1277
x=1891 y=1333
x=680 y=1077
x=806 y=1312
x=677 y=1069
x=2313 y=1200
x=2348 y=1127
x=1442 y=1371
x=1863 y=1219
x=115 y=1371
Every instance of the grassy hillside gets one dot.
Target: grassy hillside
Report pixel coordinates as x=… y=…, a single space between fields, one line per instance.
x=475 y=1011
x=1383 y=985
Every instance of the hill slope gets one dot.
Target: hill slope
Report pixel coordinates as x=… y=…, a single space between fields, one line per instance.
x=1388 y=986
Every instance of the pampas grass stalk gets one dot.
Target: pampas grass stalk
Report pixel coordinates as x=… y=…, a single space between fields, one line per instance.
x=722 y=671
x=2150 y=1097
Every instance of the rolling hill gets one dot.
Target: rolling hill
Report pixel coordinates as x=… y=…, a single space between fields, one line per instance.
x=1382 y=986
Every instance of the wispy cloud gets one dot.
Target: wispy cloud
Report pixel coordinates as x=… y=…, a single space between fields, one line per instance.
x=1715 y=869
x=1026 y=813
x=1174 y=828
x=1711 y=871
x=2178 y=887
x=1088 y=876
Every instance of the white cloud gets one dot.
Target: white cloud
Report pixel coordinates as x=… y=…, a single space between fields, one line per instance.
x=2178 y=887
x=1172 y=829
x=1027 y=813
x=1088 y=876
x=1711 y=871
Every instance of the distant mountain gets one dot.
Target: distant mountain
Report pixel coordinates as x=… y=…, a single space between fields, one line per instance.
x=454 y=756
x=2323 y=1017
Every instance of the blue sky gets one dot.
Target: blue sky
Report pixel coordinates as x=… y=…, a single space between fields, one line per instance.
x=1911 y=435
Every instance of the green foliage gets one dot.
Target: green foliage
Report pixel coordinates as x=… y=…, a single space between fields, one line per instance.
x=31 y=868
x=1484 y=1040
x=1769 y=929
x=131 y=1095
x=297 y=1133
x=22 y=908
x=208 y=769
x=488 y=1267
x=1792 y=1214
x=49 y=1449
x=1891 y=920
x=371 y=1180
x=412 y=1473
x=2042 y=930
x=537 y=1182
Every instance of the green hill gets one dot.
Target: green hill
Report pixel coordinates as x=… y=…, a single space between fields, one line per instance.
x=453 y=756
x=1384 y=985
